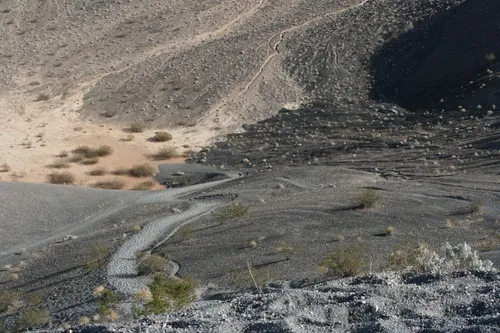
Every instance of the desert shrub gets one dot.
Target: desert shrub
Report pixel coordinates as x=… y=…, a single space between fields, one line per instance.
x=389 y=231
x=62 y=163
x=89 y=152
x=33 y=318
x=76 y=158
x=90 y=161
x=142 y=170
x=232 y=211
x=252 y=277
x=103 y=151
x=162 y=137
x=137 y=127
x=97 y=172
x=454 y=258
x=63 y=154
x=109 y=184
x=152 y=264
x=42 y=97
x=83 y=320
x=121 y=172
x=404 y=256
x=170 y=294
x=166 y=153
x=367 y=199
x=144 y=186
x=4 y=168
x=85 y=151
x=106 y=300
x=475 y=207
x=128 y=138
x=285 y=247
x=64 y=178
x=98 y=254
x=346 y=261
x=7 y=298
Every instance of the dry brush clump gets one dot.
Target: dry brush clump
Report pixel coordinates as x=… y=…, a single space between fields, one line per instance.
x=161 y=137
x=169 y=294
x=142 y=170
x=114 y=184
x=98 y=255
x=32 y=318
x=137 y=127
x=166 y=153
x=4 y=167
x=97 y=172
x=144 y=186
x=367 y=199
x=61 y=178
x=346 y=261
x=232 y=211
x=90 y=152
x=152 y=264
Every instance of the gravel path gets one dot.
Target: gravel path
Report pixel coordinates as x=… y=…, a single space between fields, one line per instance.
x=122 y=268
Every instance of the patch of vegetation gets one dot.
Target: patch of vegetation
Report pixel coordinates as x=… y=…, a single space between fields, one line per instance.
x=253 y=277
x=109 y=184
x=60 y=164
x=346 y=261
x=7 y=298
x=121 y=172
x=152 y=264
x=63 y=154
x=367 y=199
x=61 y=178
x=4 y=168
x=166 y=153
x=475 y=207
x=76 y=158
x=106 y=300
x=389 y=231
x=89 y=152
x=98 y=255
x=404 y=256
x=285 y=248
x=128 y=138
x=142 y=170
x=97 y=172
x=137 y=127
x=169 y=294
x=42 y=97
x=162 y=137
x=144 y=186
x=232 y=211
x=32 y=318
x=90 y=161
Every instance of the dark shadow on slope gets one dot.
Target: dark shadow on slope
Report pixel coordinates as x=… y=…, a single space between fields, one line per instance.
x=455 y=56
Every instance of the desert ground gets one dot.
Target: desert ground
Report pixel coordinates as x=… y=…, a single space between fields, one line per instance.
x=318 y=157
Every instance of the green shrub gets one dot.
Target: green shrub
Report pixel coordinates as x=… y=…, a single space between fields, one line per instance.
x=32 y=319
x=170 y=294
x=152 y=264
x=346 y=261
x=367 y=199
x=142 y=170
x=137 y=127
x=162 y=137
x=106 y=300
x=232 y=211
x=64 y=178
x=7 y=297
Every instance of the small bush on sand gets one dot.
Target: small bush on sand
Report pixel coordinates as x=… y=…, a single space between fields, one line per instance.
x=170 y=294
x=128 y=138
x=367 y=199
x=61 y=163
x=97 y=172
x=121 y=172
x=166 y=153
x=137 y=127
x=232 y=211
x=475 y=207
x=64 y=178
x=63 y=154
x=152 y=264
x=109 y=184
x=103 y=151
x=33 y=318
x=142 y=170
x=4 y=168
x=162 y=137
x=76 y=158
x=89 y=152
x=90 y=161
x=389 y=231
x=346 y=261
x=144 y=186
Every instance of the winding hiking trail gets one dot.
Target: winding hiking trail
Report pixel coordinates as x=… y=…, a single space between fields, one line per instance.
x=122 y=268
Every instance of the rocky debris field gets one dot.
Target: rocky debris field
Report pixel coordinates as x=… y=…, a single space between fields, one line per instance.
x=461 y=302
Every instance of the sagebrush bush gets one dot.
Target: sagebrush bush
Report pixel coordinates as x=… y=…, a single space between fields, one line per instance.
x=97 y=172
x=142 y=170
x=90 y=161
x=32 y=319
x=367 y=199
x=61 y=178
x=232 y=211
x=162 y=137
x=153 y=263
x=4 y=168
x=137 y=127
x=89 y=152
x=109 y=184
x=170 y=294
x=346 y=261
x=166 y=153
x=144 y=186
x=7 y=297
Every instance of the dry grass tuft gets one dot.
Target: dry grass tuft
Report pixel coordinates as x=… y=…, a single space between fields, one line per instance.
x=62 y=163
x=137 y=127
x=97 y=172
x=346 y=261
x=232 y=211
x=144 y=186
x=166 y=153
x=63 y=154
x=63 y=178
x=142 y=170
x=109 y=184
x=90 y=161
x=162 y=137
x=32 y=319
x=340 y=238
x=367 y=199
x=152 y=264
x=4 y=168
x=389 y=231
